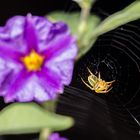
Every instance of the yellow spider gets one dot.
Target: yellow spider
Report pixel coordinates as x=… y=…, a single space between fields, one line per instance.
x=97 y=84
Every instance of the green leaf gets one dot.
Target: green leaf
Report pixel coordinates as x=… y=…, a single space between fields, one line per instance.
x=72 y=19
x=130 y=13
x=50 y=105
x=22 y=118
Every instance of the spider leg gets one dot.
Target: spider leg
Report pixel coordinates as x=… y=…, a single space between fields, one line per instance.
x=106 y=91
x=99 y=76
x=87 y=84
x=110 y=82
x=109 y=89
x=90 y=71
x=109 y=85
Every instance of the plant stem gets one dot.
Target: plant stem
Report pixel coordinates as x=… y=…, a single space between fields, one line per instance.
x=85 y=12
x=44 y=134
x=83 y=21
x=112 y=22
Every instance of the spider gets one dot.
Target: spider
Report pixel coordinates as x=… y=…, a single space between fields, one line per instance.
x=97 y=84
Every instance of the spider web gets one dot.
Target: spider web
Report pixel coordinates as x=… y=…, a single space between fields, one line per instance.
x=116 y=55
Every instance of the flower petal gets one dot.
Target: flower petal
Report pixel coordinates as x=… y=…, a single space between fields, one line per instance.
x=53 y=41
x=32 y=90
x=8 y=71
x=63 y=63
x=12 y=34
x=51 y=82
x=30 y=34
x=58 y=32
x=56 y=136
x=42 y=26
x=65 y=72
x=15 y=86
x=60 y=54
x=7 y=52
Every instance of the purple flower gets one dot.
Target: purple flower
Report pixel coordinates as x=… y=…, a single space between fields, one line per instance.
x=56 y=136
x=36 y=58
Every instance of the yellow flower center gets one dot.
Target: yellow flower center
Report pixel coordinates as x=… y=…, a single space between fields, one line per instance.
x=33 y=61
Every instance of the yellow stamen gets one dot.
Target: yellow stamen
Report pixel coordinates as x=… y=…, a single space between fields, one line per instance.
x=33 y=61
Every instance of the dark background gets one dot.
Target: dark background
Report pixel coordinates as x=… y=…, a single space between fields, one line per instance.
x=97 y=117
x=41 y=7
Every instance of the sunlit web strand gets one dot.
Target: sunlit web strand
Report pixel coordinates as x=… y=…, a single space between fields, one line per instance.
x=131 y=58
x=118 y=43
x=125 y=51
x=126 y=47
x=119 y=36
x=130 y=55
x=123 y=36
x=130 y=50
x=128 y=43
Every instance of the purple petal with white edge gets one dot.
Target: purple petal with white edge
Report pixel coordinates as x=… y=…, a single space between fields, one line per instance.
x=64 y=72
x=12 y=34
x=4 y=72
x=39 y=89
x=53 y=41
x=60 y=56
x=51 y=81
x=58 y=31
x=15 y=86
x=8 y=71
x=60 y=46
x=30 y=34
x=22 y=33
x=3 y=75
x=8 y=53
x=13 y=28
x=42 y=26
x=32 y=90
x=63 y=62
